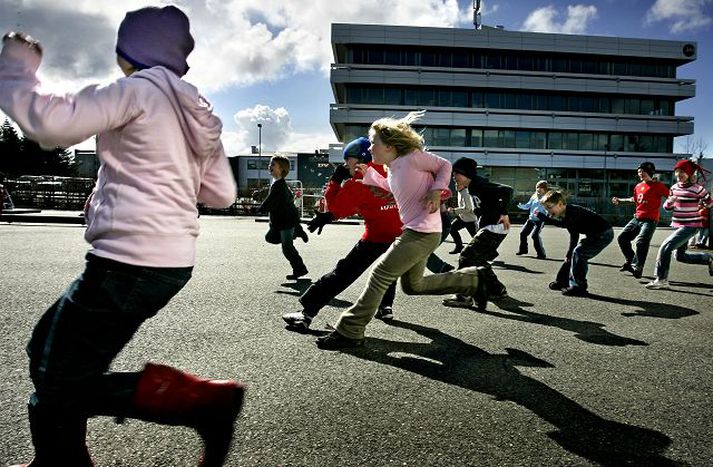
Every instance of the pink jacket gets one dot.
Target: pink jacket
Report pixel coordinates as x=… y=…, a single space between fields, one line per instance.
x=410 y=178
x=160 y=151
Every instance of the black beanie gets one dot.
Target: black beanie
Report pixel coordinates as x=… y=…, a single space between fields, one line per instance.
x=648 y=167
x=466 y=166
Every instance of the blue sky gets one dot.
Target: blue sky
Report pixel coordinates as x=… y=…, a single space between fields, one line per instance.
x=268 y=61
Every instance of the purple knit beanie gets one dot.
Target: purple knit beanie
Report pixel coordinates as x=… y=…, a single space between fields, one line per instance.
x=155 y=36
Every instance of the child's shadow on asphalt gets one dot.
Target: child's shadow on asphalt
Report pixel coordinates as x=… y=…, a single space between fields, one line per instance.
x=650 y=309
x=452 y=361
x=588 y=331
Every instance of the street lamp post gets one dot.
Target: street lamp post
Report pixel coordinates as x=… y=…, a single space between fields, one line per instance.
x=259 y=155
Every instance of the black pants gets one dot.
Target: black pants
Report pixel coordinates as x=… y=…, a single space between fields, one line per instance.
x=347 y=270
x=482 y=249
x=460 y=224
x=534 y=227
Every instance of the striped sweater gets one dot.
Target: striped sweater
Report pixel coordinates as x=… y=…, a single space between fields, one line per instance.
x=687 y=202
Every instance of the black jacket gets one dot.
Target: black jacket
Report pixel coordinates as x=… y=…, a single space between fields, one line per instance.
x=491 y=199
x=577 y=220
x=280 y=204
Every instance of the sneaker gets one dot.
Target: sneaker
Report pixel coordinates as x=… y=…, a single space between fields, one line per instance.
x=336 y=341
x=303 y=235
x=459 y=301
x=385 y=313
x=521 y=252
x=456 y=250
x=297 y=274
x=541 y=257
x=637 y=273
x=498 y=295
x=626 y=267
x=658 y=284
x=297 y=320
x=556 y=286
x=447 y=268
x=575 y=291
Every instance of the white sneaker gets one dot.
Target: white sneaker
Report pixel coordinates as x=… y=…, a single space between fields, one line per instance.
x=459 y=301
x=297 y=320
x=658 y=284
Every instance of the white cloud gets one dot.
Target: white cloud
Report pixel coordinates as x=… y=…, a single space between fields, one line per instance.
x=544 y=19
x=682 y=15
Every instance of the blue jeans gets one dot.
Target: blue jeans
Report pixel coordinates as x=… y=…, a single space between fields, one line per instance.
x=535 y=227
x=285 y=238
x=642 y=230
x=575 y=270
x=75 y=341
x=678 y=241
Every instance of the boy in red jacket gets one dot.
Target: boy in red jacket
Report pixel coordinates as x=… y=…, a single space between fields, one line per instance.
x=381 y=226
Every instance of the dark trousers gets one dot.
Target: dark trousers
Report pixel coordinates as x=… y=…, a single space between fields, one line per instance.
x=482 y=249
x=458 y=225
x=573 y=273
x=75 y=341
x=286 y=238
x=534 y=227
x=345 y=273
x=434 y=263
x=642 y=230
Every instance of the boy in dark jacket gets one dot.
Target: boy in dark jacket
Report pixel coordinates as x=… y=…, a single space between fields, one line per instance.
x=492 y=200
x=572 y=276
x=381 y=226
x=284 y=217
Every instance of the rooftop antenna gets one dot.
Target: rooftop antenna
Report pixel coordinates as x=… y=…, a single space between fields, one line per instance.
x=476 y=14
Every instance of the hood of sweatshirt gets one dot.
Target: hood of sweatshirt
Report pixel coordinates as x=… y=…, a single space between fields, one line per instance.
x=201 y=127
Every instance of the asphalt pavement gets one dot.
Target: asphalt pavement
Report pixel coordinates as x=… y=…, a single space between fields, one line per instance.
x=538 y=379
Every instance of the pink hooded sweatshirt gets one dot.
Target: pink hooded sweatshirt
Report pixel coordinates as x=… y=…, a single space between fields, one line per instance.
x=160 y=150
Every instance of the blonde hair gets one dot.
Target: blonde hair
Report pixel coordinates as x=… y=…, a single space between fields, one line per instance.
x=398 y=133
x=553 y=197
x=543 y=184
x=282 y=162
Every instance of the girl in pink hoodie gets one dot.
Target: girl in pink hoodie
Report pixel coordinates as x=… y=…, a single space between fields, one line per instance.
x=160 y=151
x=418 y=181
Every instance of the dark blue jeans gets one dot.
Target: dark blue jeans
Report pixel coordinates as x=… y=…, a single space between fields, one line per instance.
x=285 y=238
x=482 y=249
x=458 y=225
x=534 y=227
x=75 y=341
x=347 y=271
x=642 y=230
x=574 y=272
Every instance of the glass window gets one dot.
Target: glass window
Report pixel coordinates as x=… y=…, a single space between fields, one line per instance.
x=618 y=68
x=558 y=103
x=393 y=56
x=603 y=104
x=604 y=67
x=587 y=104
x=392 y=96
x=476 y=137
x=538 y=140
x=540 y=64
x=490 y=138
x=554 y=140
x=573 y=104
x=589 y=66
x=410 y=96
x=525 y=63
x=441 y=137
x=476 y=60
x=524 y=101
x=631 y=142
x=354 y=95
x=457 y=137
x=492 y=100
x=571 y=141
x=445 y=59
x=616 y=143
x=427 y=134
x=645 y=143
x=647 y=106
x=426 y=97
x=459 y=99
x=444 y=98
x=618 y=105
x=375 y=56
x=428 y=58
x=508 y=100
x=408 y=58
x=460 y=59
x=539 y=102
x=635 y=69
x=477 y=98
x=586 y=142
x=510 y=62
x=633 y=106
x=648 y=69
x=374 y=95
x=491 y=61
x=575 y=65
x=559 y=65
x=507 y=138
x=522 y=139
x=601 y=142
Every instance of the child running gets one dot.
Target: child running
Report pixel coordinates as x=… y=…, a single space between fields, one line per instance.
x=161 y=154
x=534 y=224
x=598 y=233
x=284 y=217
x=418 y=181
x=381 y=226
x=687 y=200
x=466 y=218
